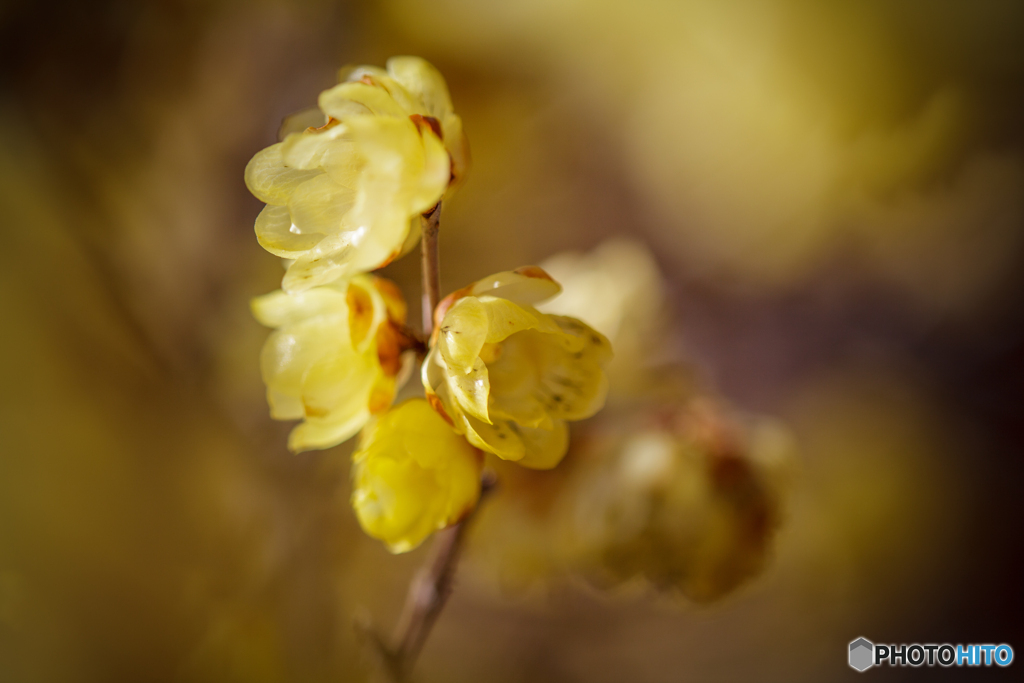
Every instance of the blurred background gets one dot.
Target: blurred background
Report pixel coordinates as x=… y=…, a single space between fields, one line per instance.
x=834 y=193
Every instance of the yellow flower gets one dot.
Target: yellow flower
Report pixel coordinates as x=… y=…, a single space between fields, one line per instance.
x=335 y=358
x=344 y=198
x=508 y=376
x=412 y=475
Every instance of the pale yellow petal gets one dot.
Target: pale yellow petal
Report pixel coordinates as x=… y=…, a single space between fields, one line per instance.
x=353 y=72
x=381 y=231
x=311 y=117
x=412 y=236
x=517 y=389
x=270 y=180
x=308 y=148
x=435 y=174
x=579 y=336
x=471 y=390
x=332 y=258
x=393 y=501
x=505 y=318
x=545 y=448
x=473 y=321
x=458 y=148
x=575 y=383
x=288 y=354
x=319 y=434
x=347 y=100
x=433 y=374
x=463 y=333
x=285 y=406
x=276 y=233
x=340 y=379
x=526 y=286
x=280 y=308
x=319 y=205
x=409 y=102
x=343 y=162
x=531 y=447
x=424 y=81
x=367 y=310
x=404 y=166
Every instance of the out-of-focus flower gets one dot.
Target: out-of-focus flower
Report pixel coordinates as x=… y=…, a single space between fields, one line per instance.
x=343 y=198
x=690 y=504
x=412 y=475
x=335 y=358
x=616 y=289
x=508 y=376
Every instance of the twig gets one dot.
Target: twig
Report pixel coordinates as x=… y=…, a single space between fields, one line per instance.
x=431 y=267
x=430 y=589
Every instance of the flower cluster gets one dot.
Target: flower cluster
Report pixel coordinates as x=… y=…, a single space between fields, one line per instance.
x=500 y=376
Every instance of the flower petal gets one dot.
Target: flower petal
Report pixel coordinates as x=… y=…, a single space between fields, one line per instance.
x=339 y=384
x=316 y=434
x=526 y=286
x=310 y=117
x=463 y=333
x=404 y=165
x=288 y=354
x=531 y=447
x=270 y=180
x=347 y=100
x=545 y=448
x=471 y=390
x=458 y=148
x=307 y=149
x=576 y=382
x=285 y=406
x=276 y=233
x=319 y=205
x=423 y=81
x=332 y=258
x=280 y=308
x=367 y=311
x=354 y=72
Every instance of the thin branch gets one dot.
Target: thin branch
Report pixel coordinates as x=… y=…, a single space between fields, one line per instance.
x=431 y=267
x=430 y=589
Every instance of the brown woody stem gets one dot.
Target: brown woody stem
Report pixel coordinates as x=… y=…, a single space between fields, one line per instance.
x=430 y=589
x=431 y=267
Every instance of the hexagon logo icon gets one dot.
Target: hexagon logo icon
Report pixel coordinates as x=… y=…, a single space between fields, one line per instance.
x=862 y=654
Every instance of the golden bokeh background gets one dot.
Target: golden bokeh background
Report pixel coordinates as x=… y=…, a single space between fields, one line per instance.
x=833 y=191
